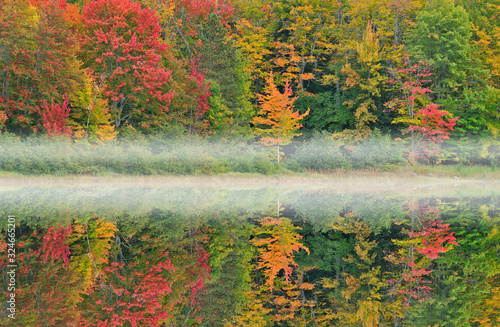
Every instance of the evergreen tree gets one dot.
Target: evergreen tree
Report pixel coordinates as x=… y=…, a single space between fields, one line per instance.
x=223 y=64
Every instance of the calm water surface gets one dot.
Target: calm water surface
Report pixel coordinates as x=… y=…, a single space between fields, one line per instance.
x=239 y=251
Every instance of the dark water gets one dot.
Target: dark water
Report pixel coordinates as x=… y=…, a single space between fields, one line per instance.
x=263 y=253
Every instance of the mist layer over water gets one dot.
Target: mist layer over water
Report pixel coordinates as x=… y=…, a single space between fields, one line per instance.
x=46 y=197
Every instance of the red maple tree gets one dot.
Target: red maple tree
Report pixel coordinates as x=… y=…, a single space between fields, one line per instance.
x=122 y=44
x=54 y=117
x=428 y=124
x=38 y=60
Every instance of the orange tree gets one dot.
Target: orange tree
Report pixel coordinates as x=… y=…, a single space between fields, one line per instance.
x=276 y=111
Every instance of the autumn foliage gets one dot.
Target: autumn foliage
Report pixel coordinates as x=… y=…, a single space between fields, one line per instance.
x=277 y=250
x=276 y=111
x=122 y=44
x=204 y=67
x=54 y=118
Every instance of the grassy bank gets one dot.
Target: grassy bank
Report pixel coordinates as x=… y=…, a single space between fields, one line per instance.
x=193 y=157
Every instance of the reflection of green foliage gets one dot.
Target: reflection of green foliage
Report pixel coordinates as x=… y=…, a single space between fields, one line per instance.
x=327 y=252
x=230 y=257
x=462 y=277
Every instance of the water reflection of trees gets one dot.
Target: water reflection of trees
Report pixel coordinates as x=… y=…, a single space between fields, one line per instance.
x=422 y=262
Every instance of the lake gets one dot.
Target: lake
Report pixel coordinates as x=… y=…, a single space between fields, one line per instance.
x=367 y=249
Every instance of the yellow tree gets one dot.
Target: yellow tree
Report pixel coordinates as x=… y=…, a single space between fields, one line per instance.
x=363 y=302
x=365 y=77
x=276 y=112
x=302 y=37
x=253 y=37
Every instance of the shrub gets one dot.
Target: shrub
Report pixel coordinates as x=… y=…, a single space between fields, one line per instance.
x=377 y=152
x=320 y=154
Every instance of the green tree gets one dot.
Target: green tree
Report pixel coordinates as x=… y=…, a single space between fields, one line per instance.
x=442 y=38
x=222 y=62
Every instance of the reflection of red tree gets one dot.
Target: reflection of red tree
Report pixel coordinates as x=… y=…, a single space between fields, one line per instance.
x=55 y=245
x=133 y=293
x=201 y=271
x=57 y=285
x=429 y=241
x=47 y=290
x=147 y=289
x=433 y=235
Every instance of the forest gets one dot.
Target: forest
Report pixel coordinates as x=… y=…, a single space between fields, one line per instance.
x=250 y=163
x=265 y=68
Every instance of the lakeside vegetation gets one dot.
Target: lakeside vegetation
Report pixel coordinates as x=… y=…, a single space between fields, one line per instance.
x=267 y=70
x=191 y=156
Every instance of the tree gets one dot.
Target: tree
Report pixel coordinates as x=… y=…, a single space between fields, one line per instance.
x=191 y=90
x=38 y=61
x=433 y=126
x=442 y=39
x=367 y=80
x=276 y=111
x=428 y=123
x=89 y=115
x=54 y=117
x=222 y=62
x=187 y=22
x=302 y=30
x=254 y=38
x=121 y=47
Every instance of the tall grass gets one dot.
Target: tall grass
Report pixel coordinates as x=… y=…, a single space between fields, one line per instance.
x=163 y=156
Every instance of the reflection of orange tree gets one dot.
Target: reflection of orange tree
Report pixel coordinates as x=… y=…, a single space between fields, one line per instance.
x=427 y=238
x=276 y=111
x=281 y=294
